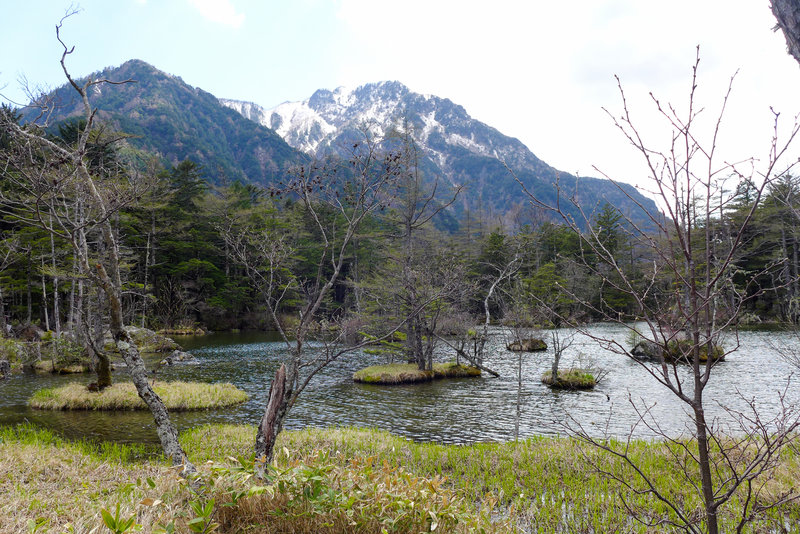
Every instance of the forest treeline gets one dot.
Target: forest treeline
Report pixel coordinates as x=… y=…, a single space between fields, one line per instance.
x=185 y=262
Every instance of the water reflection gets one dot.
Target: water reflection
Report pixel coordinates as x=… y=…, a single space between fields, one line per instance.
x=455 y=411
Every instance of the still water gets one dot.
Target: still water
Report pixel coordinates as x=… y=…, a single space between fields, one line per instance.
x=447 y=411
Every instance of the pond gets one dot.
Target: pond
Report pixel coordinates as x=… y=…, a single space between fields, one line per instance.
x=447 y=411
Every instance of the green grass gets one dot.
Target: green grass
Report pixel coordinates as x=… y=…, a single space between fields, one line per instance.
x=542 y=484
x=409 y=373
x=570 y=379
x=177 y=396
x=351 y=480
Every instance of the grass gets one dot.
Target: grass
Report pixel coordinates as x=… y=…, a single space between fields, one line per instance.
x=409 y=373
x=348 y=480
x=53 y=485
x=177 y=396
x=570 y=379
x=540 y=484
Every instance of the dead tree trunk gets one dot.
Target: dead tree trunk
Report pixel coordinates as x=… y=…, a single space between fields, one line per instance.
x=270 y=424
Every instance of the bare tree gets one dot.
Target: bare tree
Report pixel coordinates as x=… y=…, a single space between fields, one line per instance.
x=416 y=275
x=335 y=201
x=688 y=300
x=58 y=189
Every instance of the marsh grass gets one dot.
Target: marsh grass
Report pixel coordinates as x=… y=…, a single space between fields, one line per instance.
x=540 y=484
x=48 y=484
x=177 y=396
x=409 y=373
x=348 y=480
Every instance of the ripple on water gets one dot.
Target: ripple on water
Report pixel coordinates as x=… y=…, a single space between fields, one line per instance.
x=448 y=411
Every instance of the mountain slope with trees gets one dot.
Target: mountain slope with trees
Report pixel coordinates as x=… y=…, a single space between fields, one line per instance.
x=169 y=118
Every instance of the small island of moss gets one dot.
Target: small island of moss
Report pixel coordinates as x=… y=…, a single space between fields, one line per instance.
x=409 y=373
x=177 y=396
x=570 y=379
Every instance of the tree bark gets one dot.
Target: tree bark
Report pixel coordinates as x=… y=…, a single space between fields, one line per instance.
x=56 y=310
x=29 y=317
x=3 y=325
x=787 y=12
x=167 y=433
x=44 y=300
x=270 y=424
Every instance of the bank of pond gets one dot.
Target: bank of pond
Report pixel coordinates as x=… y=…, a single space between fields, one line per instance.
x=343 y=480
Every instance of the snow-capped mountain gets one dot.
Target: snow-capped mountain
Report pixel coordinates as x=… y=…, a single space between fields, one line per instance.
x=458 y=148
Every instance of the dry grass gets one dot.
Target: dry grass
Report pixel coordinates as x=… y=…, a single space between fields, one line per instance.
x=49 y=485
x=122 y=396
x=409 y=373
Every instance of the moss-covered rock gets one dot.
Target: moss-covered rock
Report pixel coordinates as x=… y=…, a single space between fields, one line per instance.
x=187 y=331
x=570 y=379
x=73 y=369
x=677 y=351
x=44 y=366
x=177 y=356
x=147 y=341
x=530 y=344
x=409 y=373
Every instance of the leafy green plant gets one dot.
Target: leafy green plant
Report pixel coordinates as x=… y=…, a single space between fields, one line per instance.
x=118 y=525
x=203 y=521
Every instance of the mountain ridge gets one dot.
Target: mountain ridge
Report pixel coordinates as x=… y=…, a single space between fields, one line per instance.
x=174 y=120
x=240 y=140
x=456 y=146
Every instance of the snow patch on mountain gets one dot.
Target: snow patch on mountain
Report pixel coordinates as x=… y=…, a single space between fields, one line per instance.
x=313 y=125
x=248 y=110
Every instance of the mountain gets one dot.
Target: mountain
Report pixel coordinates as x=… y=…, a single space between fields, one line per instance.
x=456 y=147
x=235 y=140
x=176 y=121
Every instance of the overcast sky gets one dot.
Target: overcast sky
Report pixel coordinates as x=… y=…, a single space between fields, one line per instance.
x=539 y=71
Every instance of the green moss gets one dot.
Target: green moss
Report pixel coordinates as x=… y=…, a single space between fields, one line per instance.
x=395 y=373
x=454 y=370
x=677 y=350
x=571 y=379
x=177 y=396
x=409 y=373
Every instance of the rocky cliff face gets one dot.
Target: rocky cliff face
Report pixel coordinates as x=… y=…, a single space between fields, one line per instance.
x=455 y=147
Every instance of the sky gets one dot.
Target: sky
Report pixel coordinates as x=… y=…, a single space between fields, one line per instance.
x=542 y=72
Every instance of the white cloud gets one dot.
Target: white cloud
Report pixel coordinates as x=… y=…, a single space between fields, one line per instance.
x=219 y=11
x=542 y=71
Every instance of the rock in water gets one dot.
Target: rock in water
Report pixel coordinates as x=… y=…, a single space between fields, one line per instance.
x=177 y=356
x=531 y=344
